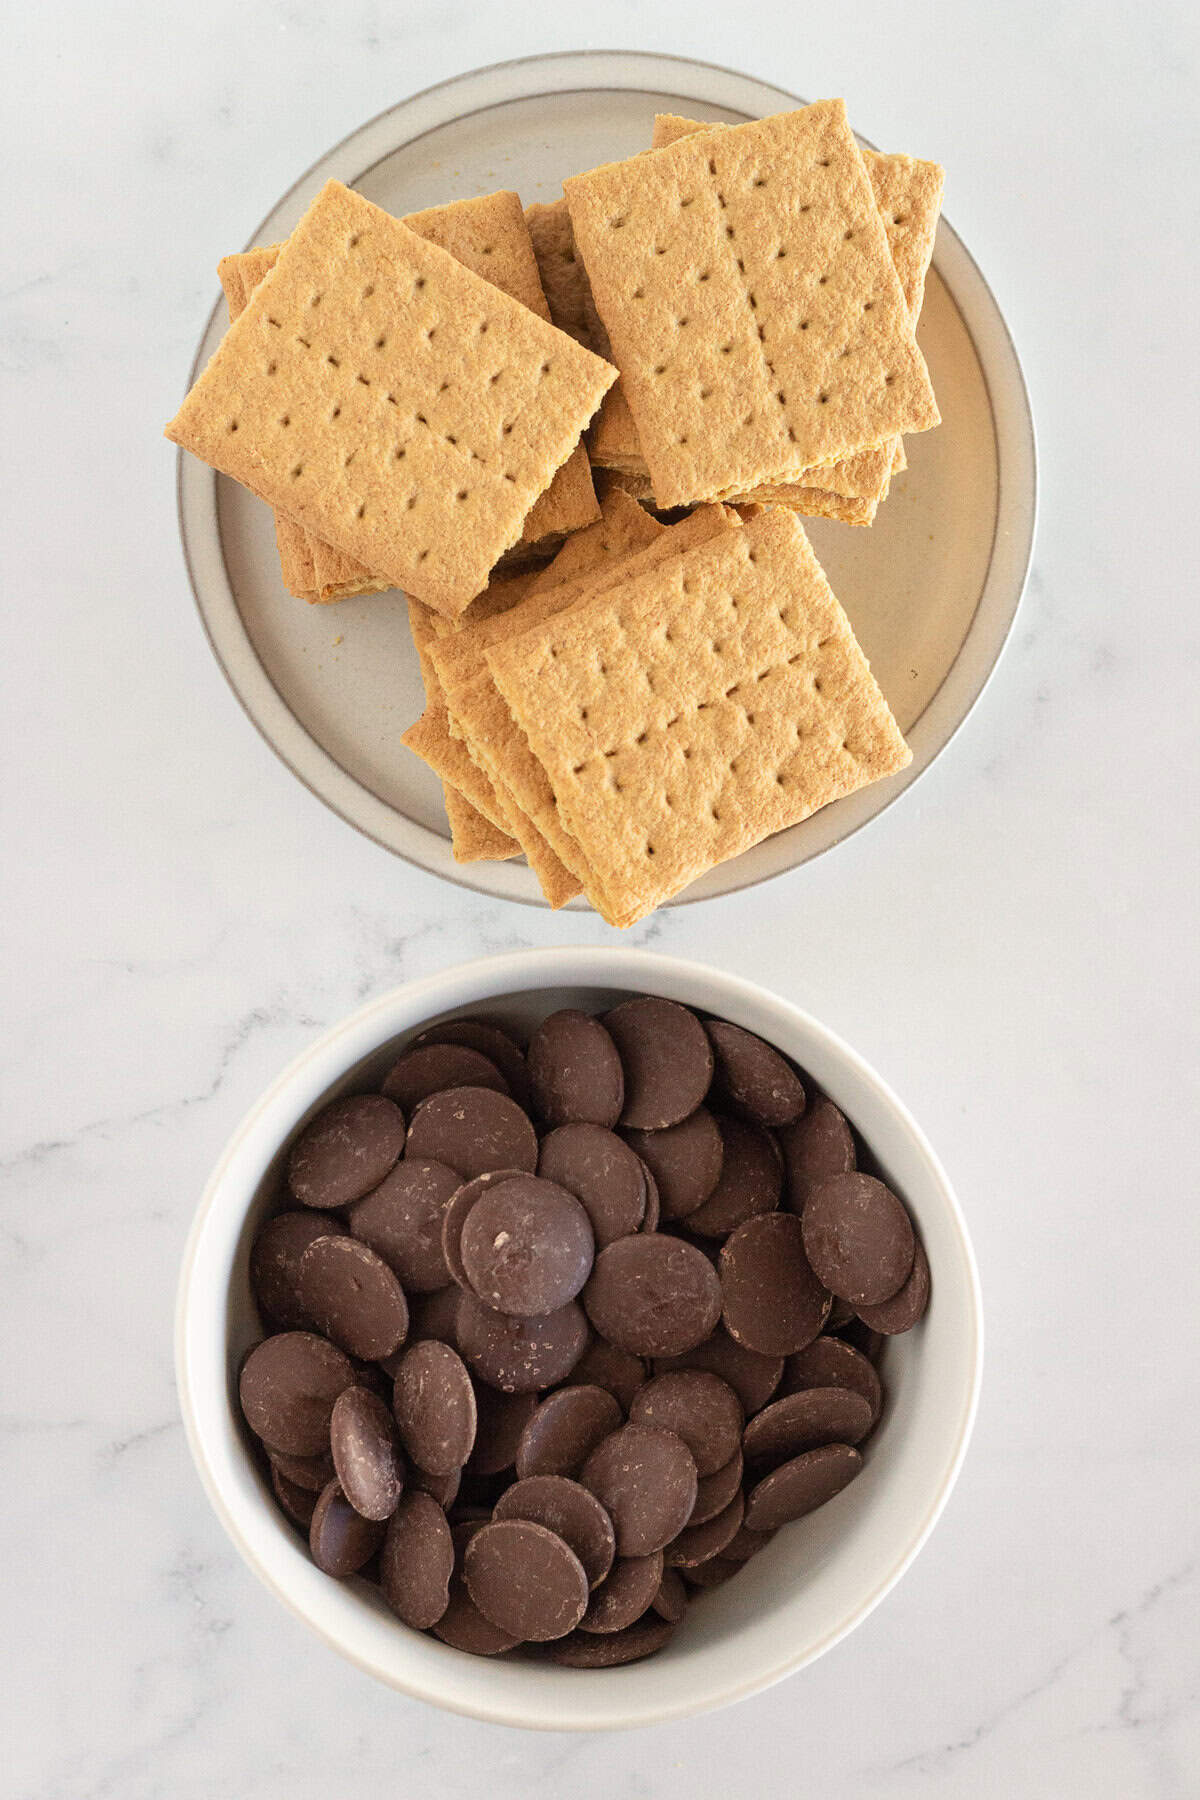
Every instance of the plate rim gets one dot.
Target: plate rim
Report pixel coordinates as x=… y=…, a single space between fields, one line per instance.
x=948 y=707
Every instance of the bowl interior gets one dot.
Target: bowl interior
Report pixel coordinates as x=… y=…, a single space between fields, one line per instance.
x=815 y=1581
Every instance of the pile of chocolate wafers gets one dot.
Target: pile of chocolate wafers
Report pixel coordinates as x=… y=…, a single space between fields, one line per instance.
x=562 y=1336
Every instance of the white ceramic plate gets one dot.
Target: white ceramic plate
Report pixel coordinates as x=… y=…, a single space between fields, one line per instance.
x=931 y=589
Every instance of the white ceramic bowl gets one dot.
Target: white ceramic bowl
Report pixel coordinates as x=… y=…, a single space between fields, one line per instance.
x=818 y=1579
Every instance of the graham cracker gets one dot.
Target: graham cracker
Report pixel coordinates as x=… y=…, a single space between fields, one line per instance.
x=497 y=740
x=472 y=837
x=485 y=236
x=239 y=276
x=744 y=278
x=481 y=720
x=622 y=529
x=427 y=409
x=430 y=738
x=474 y=834
x=908 y=193
x=563 y=280
x=491 y=238
x=697 y=708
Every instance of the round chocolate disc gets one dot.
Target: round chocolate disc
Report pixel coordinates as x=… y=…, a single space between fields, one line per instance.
x=746 y=1544
x=653 y=1295
x=454 y=1217
x=431 y=1068
x=800 y=1486
x=906 y=1305
x=462 y=1625
x=772 y=1301
x=609 y=1180
x=500 y=1422
x=402 y=1222
x=346 y=1150
x=366 y=1453
x=752 y=1377
x=354 y=1297
x=434 y=1406
x=567 y=1508
x=474 y=1130
x=565 y=1429
x=751 y=1180
x=863 y=1339
x=803 y=1421
x=492 y=1041
x=818 y=1145
x=526 y=1246
x=340 y=1539
x=525 y=1579
x=698 y=1544
x=309 y=1472
x=430 y=1316
x=752 y=1077
x=603 y=1365
x=714 y=1492
x=519 y=1356
x=700 y=1408
x=299 y=1503
x=646 y=1478
x=584 y=1650
x=671 y=1600
x=828 y=1362
x=624 y=1594
x=275 y=1265
x=684 y=1159
x=713 y=1573
x=575 y=1073
x=667 y=1059
x=442 y=1488
x=417 y=1562
x=287 y=1389
x=858 y=1238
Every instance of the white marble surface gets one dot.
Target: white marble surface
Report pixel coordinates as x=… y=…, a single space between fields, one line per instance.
x=1014 y=946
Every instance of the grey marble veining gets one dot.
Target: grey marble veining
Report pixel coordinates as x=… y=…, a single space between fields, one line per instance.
x=1013 y=946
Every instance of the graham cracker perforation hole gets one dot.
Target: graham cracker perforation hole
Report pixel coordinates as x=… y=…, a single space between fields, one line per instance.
x=363 y=380
x=333 y=362
x=368 y=292
x=305 y=342
x=380 y=343
x=297 y=471
x=271 y=368
x=275 y=323
x=286 y=420
x=233 y=425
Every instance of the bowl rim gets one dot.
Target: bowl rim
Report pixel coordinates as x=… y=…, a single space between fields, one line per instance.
x=472 y=983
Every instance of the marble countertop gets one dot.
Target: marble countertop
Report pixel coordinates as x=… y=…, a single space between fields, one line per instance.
x=1014 y=947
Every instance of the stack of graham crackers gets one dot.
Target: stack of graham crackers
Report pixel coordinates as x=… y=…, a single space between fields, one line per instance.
x=732 y=312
